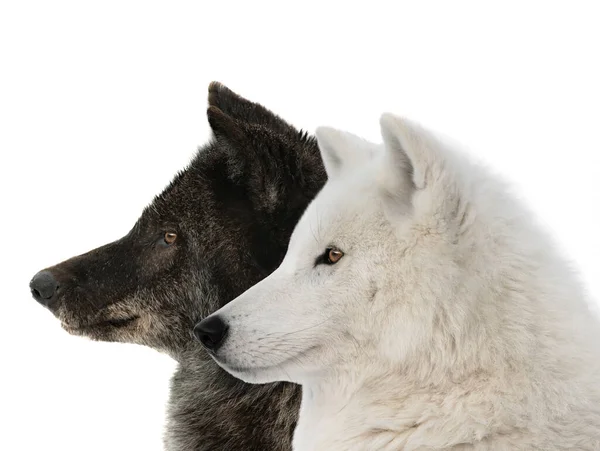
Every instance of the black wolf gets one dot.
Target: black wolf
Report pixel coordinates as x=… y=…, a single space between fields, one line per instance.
x=222 y=225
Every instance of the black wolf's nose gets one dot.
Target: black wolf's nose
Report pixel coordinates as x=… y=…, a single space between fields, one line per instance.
x=43 y=287
x=211 y=332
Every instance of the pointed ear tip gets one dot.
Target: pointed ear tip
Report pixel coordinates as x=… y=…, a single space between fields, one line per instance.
x=325 y=132
x=214 y=89
x=323 y=129
x=218 y=92
x=218 y=87
x=215 y=86
x=391 y=119
x=396 y=125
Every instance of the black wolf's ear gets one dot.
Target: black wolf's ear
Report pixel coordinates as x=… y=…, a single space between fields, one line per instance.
x=243 y=110
x=275 y=170
x=237 y=140
x=224 y=125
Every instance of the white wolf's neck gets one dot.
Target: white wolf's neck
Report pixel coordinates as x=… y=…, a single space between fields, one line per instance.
x=391 y=412
x=384 y=413
x=358 y=413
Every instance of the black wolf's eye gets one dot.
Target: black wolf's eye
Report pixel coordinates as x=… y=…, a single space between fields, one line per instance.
x=330 y=257
x=170 y=237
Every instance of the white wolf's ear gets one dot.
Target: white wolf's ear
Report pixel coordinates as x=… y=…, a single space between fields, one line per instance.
x=410 y=150
x=341 y=150
x=416 y=160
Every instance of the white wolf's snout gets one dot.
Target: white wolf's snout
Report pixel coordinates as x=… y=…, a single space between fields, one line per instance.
x=255 y=336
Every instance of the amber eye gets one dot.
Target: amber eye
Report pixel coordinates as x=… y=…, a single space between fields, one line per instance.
x=334 y=256
x=170 y=237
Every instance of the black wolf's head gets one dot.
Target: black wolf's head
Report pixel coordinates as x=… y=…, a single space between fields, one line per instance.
x=220 y=226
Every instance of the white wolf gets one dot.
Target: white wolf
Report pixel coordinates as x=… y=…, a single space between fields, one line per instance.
x=420 y=308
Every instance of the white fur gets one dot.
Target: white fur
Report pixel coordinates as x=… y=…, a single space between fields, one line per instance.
x=450 y=323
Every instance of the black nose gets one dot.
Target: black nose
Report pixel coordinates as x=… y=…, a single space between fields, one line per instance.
x=43 y=287
x=211 y=332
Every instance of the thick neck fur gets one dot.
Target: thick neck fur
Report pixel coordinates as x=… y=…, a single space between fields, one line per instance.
x=211 y=410
x=493 y=407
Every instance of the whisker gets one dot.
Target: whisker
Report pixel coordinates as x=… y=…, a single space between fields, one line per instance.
x=305 y=329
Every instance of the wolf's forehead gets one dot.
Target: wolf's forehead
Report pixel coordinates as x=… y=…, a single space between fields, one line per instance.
x=336 y=213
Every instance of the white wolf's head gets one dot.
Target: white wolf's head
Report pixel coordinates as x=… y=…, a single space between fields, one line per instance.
x=408 y=254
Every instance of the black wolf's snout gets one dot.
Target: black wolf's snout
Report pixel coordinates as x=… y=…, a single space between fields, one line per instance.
x=44 y=287
x=211 y=332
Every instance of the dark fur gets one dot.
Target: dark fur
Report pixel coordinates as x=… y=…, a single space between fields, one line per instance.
x=233 y=209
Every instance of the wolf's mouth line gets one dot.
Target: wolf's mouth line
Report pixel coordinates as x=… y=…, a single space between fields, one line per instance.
x=115 y=322
x=240 y=369
x=119 y=322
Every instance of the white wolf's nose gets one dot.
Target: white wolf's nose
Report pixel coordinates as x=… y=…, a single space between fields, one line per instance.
x=211 y=332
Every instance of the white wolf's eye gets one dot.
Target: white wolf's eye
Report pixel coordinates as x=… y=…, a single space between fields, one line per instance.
x=334 y=256
x=331 y=256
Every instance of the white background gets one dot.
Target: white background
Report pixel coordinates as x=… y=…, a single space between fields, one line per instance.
x=102 y=102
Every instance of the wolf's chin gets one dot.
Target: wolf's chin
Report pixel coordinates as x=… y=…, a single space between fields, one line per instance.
x=103 y=327
x=287 y=370
x=254 y=375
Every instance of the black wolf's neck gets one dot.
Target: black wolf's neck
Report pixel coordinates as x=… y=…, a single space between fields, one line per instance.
x=211 y=410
